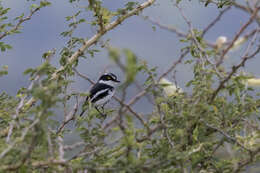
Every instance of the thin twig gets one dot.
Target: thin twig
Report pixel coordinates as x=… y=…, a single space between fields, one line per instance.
x=173 y=66
x=83 y=154
x=214 y=21
x=166 y=27
x=242 y=29
x=70 y=116
x=50 y=144
x=72 y=146
x=22 y=20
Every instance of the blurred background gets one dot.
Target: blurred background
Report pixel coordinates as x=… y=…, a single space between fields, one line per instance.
x=160 y=48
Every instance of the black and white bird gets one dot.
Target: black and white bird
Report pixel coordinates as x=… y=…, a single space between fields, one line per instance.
x=101 y=93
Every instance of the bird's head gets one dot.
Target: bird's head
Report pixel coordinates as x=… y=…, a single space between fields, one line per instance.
x=108 y=78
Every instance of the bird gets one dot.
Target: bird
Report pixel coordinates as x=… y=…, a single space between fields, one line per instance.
x=101 y=92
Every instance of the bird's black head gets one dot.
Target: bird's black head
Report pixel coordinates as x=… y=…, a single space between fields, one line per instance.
x=108 y=77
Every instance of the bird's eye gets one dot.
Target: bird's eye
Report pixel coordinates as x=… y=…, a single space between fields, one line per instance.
x=108 y=78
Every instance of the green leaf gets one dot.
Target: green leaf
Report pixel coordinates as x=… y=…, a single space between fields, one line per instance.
x=45 y=3
x=131 y=65
x=34 y=6
x=4 y=71
x=195 y=133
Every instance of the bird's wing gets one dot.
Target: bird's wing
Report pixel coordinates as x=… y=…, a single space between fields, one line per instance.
x=99 y=89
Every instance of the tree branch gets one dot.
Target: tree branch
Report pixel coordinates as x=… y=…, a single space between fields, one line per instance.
x=215 y=21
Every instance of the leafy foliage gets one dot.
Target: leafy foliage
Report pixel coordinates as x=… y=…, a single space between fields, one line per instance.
x=212 y=128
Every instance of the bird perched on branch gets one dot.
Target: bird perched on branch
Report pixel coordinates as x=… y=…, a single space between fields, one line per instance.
x=101 y=93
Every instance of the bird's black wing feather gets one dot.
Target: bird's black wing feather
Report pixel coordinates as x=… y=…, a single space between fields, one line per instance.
x=98 y=87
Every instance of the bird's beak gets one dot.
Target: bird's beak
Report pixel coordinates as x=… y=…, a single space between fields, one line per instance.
x=117 y=81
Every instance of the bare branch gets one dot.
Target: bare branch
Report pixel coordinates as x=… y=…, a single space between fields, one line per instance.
x=49 y=162
x=214 y=21
x=83 y=154
x=50 y=144
x=173 y=66
x=242 y=7
x=76 y=145
x=61 y=148
x=166 y=27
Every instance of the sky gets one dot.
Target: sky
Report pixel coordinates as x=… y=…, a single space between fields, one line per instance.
x=158 y=47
